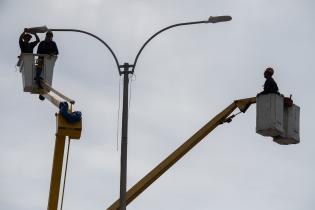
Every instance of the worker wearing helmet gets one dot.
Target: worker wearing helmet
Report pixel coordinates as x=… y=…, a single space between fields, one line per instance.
x=49 y=47
x=25 y=44
x=270 y=85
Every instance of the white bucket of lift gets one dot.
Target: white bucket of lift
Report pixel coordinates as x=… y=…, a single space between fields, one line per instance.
x=269 y=115
x=291 y=120
x=28 y=70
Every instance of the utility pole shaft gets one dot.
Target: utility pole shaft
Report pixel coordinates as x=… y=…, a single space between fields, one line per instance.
x=124 y=135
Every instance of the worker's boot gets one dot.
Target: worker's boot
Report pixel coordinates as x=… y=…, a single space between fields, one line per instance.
x=41 y=97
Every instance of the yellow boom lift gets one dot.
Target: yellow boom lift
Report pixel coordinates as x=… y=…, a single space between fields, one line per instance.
x=154 y=174
x=276 y=117
x=65 y=127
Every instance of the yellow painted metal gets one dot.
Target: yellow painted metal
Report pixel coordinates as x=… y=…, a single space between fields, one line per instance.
x=56 y=172
x=37 y=90
x=73 y=130
x=48 y=88
x=155 y=173
x=244 y=104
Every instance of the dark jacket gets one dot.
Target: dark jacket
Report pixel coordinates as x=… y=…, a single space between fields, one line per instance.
x=47 y=47
x=270 y=86
x=27 y=47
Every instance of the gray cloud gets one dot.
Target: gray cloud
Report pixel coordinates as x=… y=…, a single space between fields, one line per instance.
x=184 y=77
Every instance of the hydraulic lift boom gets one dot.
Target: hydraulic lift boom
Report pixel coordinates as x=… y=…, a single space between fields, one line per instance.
x=64 y=129
x=155 y=173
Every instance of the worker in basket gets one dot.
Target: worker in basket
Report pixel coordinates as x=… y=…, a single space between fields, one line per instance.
x=24 y=41
x=270 y=85
x=47 y=46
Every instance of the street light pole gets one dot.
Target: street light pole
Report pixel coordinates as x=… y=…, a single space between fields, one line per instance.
x=124 y=136
x=125 y=73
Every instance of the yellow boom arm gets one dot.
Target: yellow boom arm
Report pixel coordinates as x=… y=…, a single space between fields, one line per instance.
x=64 y=129
x=155 y=173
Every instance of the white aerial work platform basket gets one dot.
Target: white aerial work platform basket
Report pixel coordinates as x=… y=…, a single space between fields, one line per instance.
x=278 y=119
x=28 y=64
x=291 y=120
x=269 y=115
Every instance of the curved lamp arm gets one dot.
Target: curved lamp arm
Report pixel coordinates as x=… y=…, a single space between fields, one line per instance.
x=211 y=19
x=215 y=19
x=44 y=29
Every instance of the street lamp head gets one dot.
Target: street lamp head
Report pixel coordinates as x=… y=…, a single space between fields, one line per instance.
x=41 y=29
x=217 y=19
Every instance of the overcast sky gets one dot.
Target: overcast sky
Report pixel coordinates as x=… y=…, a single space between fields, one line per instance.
x=184 y=77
